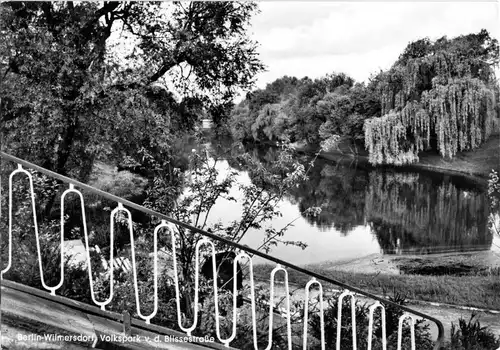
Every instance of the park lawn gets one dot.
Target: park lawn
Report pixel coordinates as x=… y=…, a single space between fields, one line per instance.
x=479 y=162
x=474 y=291
x=476 y=163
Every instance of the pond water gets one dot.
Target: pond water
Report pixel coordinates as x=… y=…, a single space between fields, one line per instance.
x=364 y=210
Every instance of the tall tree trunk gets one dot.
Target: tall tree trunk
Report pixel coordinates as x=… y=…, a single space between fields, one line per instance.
x=63 y=154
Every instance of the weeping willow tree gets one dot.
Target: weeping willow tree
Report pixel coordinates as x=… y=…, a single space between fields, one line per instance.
x=425 y=215
x=440 y=95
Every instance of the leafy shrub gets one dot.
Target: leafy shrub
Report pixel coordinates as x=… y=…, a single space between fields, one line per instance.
x=392 y=314
x=469 y=335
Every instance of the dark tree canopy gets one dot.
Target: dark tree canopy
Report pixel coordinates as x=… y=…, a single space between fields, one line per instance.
x=302 y=109
x=83 y=80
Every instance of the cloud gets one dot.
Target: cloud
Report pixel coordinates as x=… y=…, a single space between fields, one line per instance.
x=290 y=14
x=356 y=65
x=299 y=38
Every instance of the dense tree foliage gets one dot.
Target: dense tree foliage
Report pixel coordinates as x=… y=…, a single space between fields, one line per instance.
x=84 y=80
x=440 y=95
x=443 y=92
x=304 y=110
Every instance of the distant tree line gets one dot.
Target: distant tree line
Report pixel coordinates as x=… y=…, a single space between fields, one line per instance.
x=306 y=110
x=439 y=95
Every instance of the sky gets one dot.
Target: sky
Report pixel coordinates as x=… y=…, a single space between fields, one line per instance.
x=358 y=38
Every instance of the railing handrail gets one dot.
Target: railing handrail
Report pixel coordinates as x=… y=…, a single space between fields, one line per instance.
x=92 y=310
x=144 y=210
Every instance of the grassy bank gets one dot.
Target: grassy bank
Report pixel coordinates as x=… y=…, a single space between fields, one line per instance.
x=478 y=163
x=475 y=291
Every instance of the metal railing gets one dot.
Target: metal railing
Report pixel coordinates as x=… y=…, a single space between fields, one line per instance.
x=208 y=239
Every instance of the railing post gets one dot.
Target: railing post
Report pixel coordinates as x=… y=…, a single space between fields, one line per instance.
x=127 y=324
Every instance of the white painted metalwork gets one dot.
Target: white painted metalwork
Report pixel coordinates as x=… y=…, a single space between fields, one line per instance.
x=168 y=225
x=412 y=330
x=236 y=260
x=353 y=318
x=148 y=318
x=271 y=307
x=306 y=313
x=114 y=212
x=35 y=224
x=372 y=309
x=196 y=287
x=86 y=236
x=252 y=298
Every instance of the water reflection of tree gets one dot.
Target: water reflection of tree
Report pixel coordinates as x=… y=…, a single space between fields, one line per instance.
x=339 y=189
x=426 y=215
x=426 y=212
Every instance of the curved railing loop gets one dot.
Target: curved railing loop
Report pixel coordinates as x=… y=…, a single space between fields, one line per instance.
x=245 y=252
x=353 y=318
x=372 y=309
x=412 y=330
x=306 y=313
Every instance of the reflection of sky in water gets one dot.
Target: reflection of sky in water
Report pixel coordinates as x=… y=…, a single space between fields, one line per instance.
x=366 y=211
x=329 y=245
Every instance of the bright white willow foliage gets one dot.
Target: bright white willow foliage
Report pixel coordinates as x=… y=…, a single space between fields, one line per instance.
x=441 y=96
x=384 y=137
x=461 y=111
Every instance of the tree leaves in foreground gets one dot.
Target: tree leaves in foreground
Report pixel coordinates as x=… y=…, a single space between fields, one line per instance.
x=87 y=80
